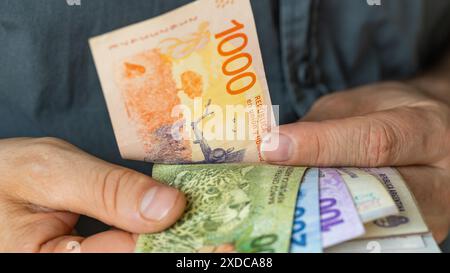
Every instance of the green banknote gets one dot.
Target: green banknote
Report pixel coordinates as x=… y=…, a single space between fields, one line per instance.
x=231 y=208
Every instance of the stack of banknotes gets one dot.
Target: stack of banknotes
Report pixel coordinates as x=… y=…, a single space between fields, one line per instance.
x=187 y=90
x=260 y=208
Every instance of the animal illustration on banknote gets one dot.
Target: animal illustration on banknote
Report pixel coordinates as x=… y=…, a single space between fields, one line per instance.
x=150 y=92
x=217 y=155
x=218 y=205
x=141 y=88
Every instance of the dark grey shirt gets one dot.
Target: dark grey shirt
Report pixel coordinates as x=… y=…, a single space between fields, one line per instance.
x=49 y=86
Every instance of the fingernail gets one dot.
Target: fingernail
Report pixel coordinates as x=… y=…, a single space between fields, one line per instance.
x=158 y=202
x=276 y=147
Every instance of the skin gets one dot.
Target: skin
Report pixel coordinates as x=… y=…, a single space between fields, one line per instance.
x=47 y=183
x=402 y=124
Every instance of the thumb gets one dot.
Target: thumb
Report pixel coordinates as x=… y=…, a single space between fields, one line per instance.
x=379 y=139
x=63 y=178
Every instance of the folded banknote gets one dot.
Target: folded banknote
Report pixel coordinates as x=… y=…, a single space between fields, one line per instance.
x=371 y=198
x=340 y=220
x=409 y=220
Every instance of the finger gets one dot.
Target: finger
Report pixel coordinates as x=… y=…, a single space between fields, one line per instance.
x=361 y=101
x=403 y=136
x=32 y=232
x=113 y=241
x=429 y=186
x=55 y=174
x=28 y=231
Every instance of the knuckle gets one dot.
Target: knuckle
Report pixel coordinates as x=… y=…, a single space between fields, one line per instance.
x=393 y=86
x=33 y=161
x=446 y=140
x=324 y=146
x=40 y=149
x=438 y=113
x=36 y=161
x=111 y=185
x=331 y=100
x=41 y=158
x=381 y=143
x=434 y=119
x=318 y=154
x=51 y=141
x=334 y=105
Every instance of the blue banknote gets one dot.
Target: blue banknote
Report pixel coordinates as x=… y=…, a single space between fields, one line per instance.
x=306 y=230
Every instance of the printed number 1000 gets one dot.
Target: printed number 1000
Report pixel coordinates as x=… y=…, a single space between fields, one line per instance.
x=233 y=53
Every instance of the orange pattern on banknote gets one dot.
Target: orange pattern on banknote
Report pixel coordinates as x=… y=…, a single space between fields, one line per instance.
x=134 y=70
x=179 y=48
x=192 y=84
x=150 y=94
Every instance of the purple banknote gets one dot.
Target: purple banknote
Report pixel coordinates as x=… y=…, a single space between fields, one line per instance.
x=340 y=220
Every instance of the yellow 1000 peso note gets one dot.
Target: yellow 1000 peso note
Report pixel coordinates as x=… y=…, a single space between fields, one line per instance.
x=188 y=86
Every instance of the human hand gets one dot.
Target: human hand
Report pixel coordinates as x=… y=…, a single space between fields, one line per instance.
x=47 y=183
x=386 y=124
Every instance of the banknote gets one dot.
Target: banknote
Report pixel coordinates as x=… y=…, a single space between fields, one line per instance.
x=409 y=220
x=306 y=230
x=188 y=86
x=340 y=220
x=422 y=243
x=430 y=244
x=231 y=208
x=370 y=197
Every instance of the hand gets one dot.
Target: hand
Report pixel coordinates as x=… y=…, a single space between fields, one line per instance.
x=387 y=124
x=46 y=183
